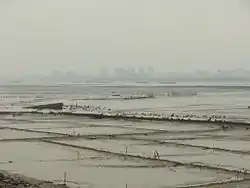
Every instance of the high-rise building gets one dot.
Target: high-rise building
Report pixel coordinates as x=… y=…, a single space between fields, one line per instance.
x=104 y=72
x=120 y=73
x=141 y=70
x=131 y=71
x=151 y=70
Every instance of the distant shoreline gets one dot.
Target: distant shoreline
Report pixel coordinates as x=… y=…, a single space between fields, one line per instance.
x=191 y=84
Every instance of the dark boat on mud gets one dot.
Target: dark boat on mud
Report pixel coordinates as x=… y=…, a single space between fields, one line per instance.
x=142 y=82
x=167 y=82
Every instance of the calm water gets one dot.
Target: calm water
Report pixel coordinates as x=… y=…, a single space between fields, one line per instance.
x=227 y=100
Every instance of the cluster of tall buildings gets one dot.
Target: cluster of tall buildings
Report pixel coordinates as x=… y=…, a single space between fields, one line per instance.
x=137 y=74
x=128 y=73
x=149 y=74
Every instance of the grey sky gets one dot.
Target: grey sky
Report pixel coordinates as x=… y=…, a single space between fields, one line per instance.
x=81 y=35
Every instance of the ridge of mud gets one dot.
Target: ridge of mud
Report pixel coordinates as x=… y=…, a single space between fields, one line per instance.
x=8 y=180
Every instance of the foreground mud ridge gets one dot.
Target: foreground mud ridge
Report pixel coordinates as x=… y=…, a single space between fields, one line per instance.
x=8 y=180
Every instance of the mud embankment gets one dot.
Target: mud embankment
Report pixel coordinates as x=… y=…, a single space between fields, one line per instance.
x=8 y=180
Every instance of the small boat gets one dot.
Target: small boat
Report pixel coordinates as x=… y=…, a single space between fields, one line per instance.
x=116 y=95
x=142 y=82
x=167 y=82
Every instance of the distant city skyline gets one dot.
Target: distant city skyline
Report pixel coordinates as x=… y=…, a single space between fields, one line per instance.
x=131 y=74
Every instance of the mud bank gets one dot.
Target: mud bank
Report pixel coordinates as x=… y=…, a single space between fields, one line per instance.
x=8 y=180
x=129 y=117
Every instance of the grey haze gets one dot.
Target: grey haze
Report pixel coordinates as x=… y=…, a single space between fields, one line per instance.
x=84 y=35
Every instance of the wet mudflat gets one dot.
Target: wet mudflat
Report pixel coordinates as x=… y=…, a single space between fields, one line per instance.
x=109 y=153
x=93 y=169
x=91 y=157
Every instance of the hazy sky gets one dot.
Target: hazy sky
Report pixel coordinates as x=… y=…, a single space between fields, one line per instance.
x=81 y=35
